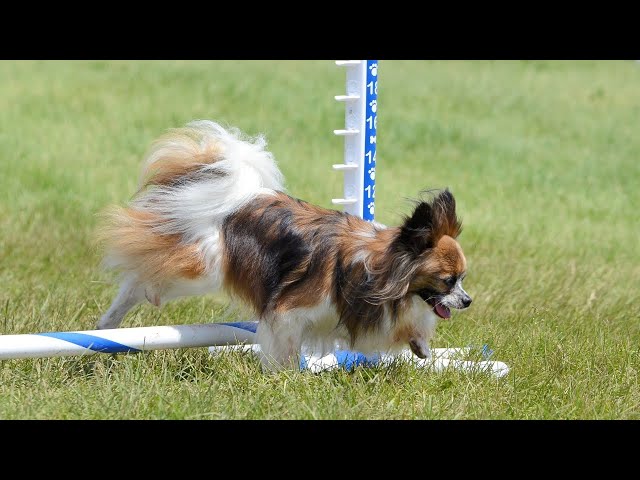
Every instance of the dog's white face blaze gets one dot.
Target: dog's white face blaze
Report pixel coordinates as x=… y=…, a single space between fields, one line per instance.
x=457 y=298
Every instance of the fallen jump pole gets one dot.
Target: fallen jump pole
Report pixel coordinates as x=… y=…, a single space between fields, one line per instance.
x=125 y=340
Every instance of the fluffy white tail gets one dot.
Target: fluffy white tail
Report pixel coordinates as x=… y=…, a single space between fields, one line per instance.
x=192 y=179
x=197 y=175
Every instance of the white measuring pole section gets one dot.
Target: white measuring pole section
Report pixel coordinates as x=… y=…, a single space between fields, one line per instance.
x=359 y=167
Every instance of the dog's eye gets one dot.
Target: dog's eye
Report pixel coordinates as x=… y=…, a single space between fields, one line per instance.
x=450 y=281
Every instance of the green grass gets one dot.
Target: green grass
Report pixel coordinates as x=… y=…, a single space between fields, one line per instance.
x=542 y=158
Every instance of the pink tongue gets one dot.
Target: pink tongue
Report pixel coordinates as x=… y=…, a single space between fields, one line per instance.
x=442 y=311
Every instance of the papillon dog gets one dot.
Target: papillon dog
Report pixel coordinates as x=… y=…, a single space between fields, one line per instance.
x=211 y=215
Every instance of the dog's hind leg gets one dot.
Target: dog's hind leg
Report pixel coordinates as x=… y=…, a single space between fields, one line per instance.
x=131 y=293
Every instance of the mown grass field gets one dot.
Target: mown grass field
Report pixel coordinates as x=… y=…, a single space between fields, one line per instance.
x=543 y=158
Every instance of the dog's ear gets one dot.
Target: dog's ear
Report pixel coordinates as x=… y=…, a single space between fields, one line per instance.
x=416 y=234
x=429 y=221
x=445 y=220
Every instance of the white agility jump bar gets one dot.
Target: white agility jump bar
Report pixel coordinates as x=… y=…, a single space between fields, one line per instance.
x=125 y=340
x=218 y=337
x=441 y=359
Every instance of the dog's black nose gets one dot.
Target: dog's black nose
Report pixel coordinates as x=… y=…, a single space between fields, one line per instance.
x=466 y=302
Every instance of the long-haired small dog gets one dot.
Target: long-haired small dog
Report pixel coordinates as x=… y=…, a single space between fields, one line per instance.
x=211 y=215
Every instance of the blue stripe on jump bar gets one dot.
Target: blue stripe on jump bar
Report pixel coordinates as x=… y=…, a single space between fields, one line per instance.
x=349 y=360
x=91 y=342
x=248 y=326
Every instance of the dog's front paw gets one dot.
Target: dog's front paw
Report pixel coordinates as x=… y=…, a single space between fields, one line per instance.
x=420 y=347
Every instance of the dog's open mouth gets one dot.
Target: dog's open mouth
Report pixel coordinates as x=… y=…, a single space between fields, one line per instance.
x=441 y=310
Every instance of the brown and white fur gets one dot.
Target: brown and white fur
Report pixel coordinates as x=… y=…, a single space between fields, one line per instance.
x=211 y=215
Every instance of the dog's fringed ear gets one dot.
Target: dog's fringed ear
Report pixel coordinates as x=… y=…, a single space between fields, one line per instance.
x=416 y=234
x=445 y=220
x=430 y=221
